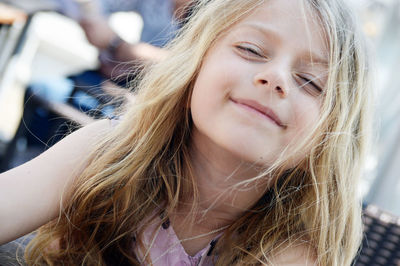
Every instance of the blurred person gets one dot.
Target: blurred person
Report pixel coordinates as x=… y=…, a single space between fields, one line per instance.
x=160 y=22
x=161 y=19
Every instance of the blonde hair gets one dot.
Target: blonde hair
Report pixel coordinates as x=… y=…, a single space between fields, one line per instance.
x=142 y=166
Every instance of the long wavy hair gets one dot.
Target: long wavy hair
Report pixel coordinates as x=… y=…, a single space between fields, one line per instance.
x=142 y=166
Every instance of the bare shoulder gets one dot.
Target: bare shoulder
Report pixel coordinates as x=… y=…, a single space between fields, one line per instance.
x=31 y=194
x=295 y=255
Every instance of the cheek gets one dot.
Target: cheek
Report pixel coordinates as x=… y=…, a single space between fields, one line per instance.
x=212 y=87
x=204 y=101
x=301 y=138
x=306 y=114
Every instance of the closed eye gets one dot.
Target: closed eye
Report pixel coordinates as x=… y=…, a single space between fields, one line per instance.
x=249 y=52
x=310 y=86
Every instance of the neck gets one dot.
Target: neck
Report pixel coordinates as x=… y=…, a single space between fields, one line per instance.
x=224 y=195
x=222 y=198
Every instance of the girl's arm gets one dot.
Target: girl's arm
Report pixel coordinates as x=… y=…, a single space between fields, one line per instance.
x=30 y=194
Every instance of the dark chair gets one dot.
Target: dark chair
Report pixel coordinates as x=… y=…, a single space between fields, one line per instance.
x=381 y=242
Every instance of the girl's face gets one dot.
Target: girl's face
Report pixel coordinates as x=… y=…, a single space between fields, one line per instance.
x=260 y=86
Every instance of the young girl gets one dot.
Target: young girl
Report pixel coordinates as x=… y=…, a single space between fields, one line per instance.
x=243 y=147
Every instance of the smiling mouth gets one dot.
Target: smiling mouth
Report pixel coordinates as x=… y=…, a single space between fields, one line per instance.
x=255 y=107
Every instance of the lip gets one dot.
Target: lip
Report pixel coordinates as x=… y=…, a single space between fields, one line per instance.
x=262 y=109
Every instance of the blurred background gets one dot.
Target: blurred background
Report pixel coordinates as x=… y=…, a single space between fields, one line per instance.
x=42 y=42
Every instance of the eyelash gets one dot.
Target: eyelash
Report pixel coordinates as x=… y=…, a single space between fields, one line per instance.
x=249 y=50
x=312 y=83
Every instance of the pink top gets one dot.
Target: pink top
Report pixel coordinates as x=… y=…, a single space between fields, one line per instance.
x=164 y=248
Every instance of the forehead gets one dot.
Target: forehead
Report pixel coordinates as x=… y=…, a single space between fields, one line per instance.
x=290 y=23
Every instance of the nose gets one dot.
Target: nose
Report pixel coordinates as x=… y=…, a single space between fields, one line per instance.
x=273 y=77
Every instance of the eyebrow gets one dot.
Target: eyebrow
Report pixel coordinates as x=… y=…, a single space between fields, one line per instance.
x=273 y=34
